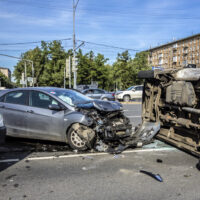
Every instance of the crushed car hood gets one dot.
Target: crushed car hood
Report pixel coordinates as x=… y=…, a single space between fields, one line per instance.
x=105 y=106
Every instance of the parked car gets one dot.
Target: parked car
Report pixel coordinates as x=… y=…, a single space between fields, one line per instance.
x=133 y=92
x=99 y=94
x=172 y=98
x=62 y=115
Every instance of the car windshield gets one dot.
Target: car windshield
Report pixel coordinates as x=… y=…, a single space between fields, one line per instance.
x=70 y=97
x=130 y=88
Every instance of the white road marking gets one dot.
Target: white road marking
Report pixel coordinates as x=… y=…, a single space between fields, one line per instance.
x=99 y=154
x=9 y=160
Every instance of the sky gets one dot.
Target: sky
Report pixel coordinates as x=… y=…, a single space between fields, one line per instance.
x=130 y=24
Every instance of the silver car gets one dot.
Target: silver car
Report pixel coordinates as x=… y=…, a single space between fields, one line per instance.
x=99 y=94
x=62 y=115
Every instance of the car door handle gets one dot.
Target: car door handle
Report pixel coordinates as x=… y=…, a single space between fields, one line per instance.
x=30 y=111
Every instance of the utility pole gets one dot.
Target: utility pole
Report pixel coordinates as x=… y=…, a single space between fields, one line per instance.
x=70 y=78
x=65 y=75
x=74 y=41
x=67 y=71
x=25 y=72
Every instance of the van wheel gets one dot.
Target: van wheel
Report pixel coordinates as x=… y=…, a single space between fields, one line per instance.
x=75 y=141
x=126 y=98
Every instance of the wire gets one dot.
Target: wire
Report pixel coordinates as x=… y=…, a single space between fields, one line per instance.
x=109 y=46
x=35 y=42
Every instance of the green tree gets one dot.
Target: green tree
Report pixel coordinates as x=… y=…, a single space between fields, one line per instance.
x=5 y=82
x=139 y=63
x=93 y=68
x=122 y=71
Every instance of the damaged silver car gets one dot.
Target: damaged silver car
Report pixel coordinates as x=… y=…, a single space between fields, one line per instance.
x=62 y=115
x=172 y=98
x=69 y=116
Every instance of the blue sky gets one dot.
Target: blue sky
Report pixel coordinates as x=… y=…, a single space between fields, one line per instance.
x=135 y=24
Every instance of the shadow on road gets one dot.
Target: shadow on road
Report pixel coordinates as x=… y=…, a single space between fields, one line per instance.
x=20 y=148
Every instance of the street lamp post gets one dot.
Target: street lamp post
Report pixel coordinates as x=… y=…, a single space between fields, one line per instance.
x=74 y=41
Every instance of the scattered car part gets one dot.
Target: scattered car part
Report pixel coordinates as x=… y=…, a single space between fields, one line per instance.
x=172 y=97
x=198 y=165
x=155 y=176
x=159 y=161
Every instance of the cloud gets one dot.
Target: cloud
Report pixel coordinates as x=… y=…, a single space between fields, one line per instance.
x=58 y=18
x=7 y=15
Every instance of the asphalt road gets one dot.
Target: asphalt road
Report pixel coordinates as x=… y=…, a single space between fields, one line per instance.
x=68 y=175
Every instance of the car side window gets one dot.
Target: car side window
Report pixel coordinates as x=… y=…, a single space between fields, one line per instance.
x=41 y=100
x=2 y=98
x=88 y=92
x=99 y=92
x=17 y=97
x=139 y=88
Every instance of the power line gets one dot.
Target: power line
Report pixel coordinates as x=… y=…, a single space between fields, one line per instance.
x=108 y=46
x=87 y=42
x=35 y=42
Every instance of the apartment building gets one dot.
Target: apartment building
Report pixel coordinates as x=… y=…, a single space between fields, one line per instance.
x=6 y=72
x=175 y=54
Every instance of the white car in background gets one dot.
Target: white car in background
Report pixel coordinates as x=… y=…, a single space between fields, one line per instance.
x=133 y=92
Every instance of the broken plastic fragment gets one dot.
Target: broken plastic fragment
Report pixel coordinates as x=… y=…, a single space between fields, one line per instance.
x=198 y=165
x=159 y=160
x=155 y=176
x=117 y=150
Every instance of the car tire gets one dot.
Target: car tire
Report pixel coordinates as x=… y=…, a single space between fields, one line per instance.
x=126 y=98
x=74 y=141
x=105 y=99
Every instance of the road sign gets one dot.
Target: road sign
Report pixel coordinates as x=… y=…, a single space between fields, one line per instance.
x=22 y=82
x=67 y=68
x=30 y=79
x=74 y=64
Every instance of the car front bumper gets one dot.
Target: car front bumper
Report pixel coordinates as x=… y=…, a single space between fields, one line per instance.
x=2 y=134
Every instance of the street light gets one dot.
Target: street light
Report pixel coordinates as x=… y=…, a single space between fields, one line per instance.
x=75 y=4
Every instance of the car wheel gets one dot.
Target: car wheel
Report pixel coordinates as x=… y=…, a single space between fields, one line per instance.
x=105 y=99
x=126 y=98
x=75 y=141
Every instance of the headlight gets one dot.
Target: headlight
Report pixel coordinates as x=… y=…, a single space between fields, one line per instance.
x=1 y=121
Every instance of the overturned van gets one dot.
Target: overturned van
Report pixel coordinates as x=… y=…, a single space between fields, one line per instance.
x=172 y=97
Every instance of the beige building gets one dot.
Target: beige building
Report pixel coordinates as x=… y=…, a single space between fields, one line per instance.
x=175 y=54
x=6 y=72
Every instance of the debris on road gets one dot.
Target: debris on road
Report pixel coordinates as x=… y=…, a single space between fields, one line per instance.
x=11 y=176
x=159 y=161
x=155 y=176
x=87 y=157
x=198 y=165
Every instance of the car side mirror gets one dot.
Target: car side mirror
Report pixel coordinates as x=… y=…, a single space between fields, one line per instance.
x=133 y=90
x=55 y=107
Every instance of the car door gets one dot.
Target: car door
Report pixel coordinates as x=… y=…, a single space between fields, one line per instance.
x=14 y=109
x=89 y=93
x=98 y=94
x=137 y=92
x=44 y=123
